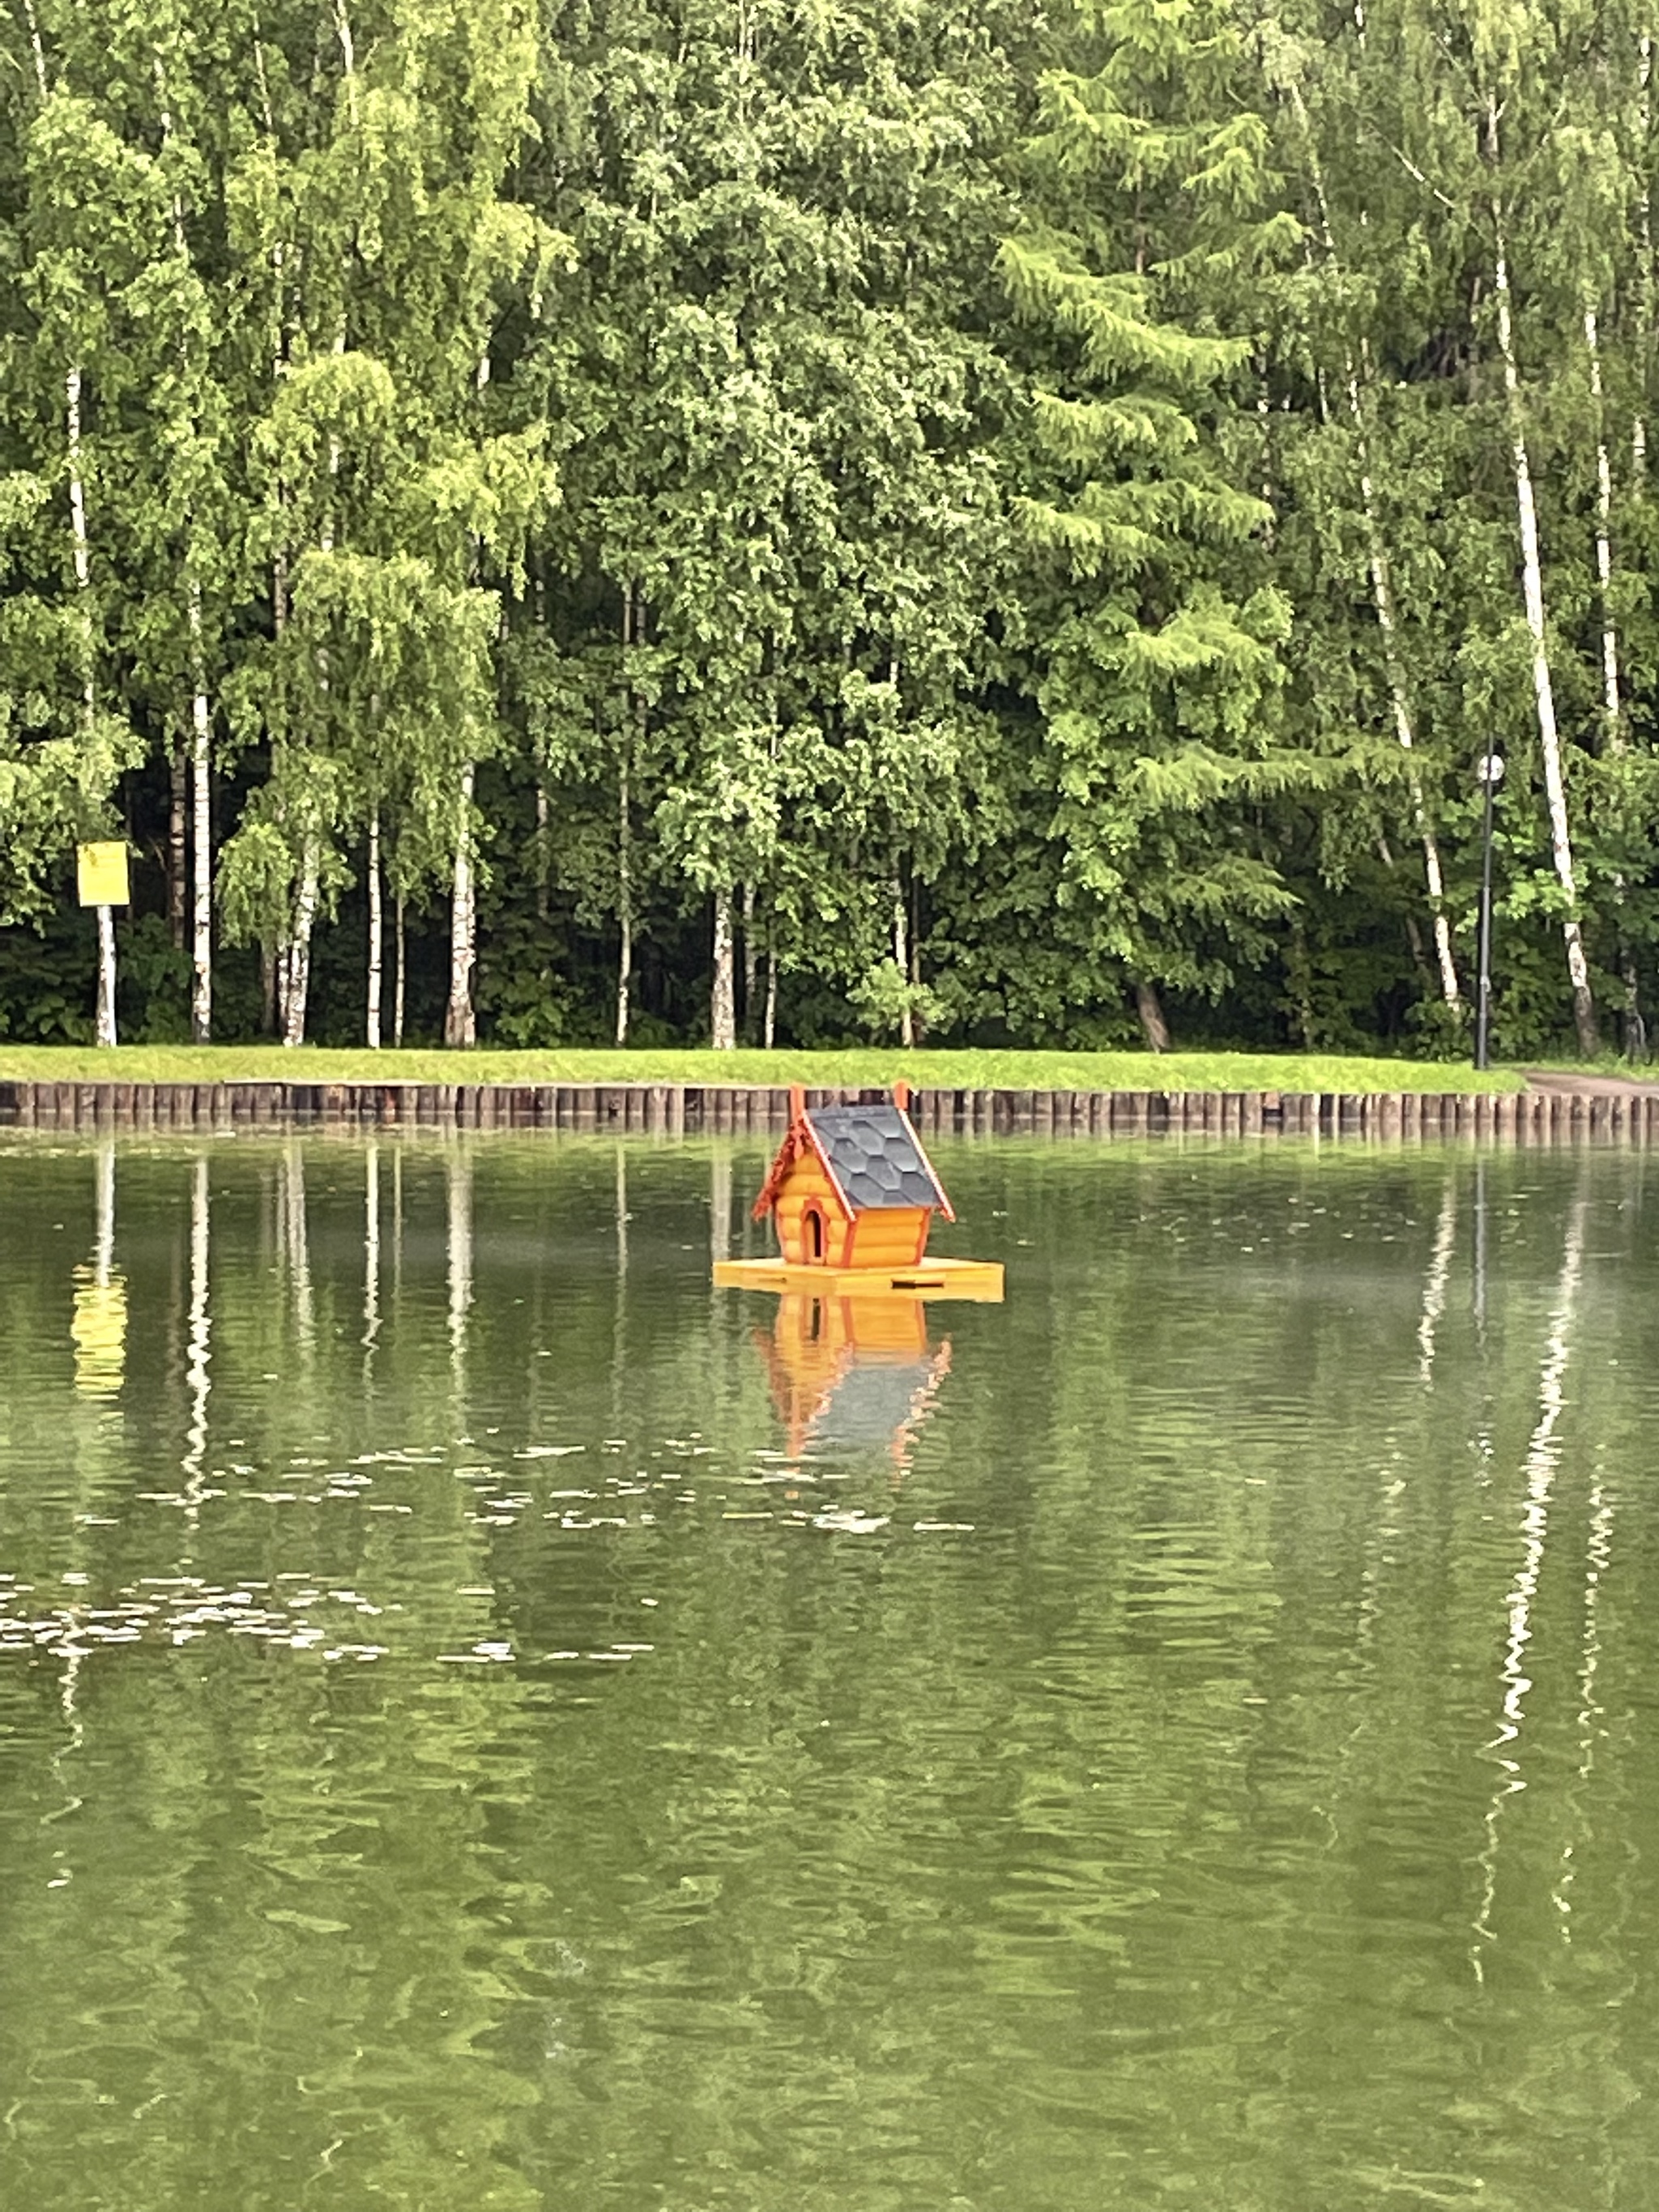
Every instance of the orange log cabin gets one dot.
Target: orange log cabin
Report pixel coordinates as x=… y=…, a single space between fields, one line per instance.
x=853 y=1195
x=852 y=1187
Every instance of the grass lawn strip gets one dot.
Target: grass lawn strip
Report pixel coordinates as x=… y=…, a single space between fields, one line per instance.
x=864 y=1068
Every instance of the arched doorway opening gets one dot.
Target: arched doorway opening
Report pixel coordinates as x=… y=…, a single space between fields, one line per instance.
x=812 y=1235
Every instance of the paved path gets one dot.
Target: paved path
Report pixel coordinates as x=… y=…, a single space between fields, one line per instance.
x=1566 y=1084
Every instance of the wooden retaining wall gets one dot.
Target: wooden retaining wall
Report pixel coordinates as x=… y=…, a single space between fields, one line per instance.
x=669 y=1109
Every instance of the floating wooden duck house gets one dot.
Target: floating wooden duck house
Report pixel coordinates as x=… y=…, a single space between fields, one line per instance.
x=852 y=1195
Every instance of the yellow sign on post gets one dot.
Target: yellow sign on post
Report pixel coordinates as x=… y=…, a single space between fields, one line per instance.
x=101 y=874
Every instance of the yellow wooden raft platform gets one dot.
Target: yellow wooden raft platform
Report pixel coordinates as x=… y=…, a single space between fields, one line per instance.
x=979 y=1280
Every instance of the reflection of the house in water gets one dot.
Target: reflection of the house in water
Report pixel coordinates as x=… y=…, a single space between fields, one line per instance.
x=852 y=1375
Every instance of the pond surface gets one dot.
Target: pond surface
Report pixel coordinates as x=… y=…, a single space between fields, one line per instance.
x=486 y=1722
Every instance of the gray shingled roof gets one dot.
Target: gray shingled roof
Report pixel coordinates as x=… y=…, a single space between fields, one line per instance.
x=873 y=1152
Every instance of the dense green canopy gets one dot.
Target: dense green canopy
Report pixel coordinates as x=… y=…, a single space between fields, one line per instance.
x=555 y=521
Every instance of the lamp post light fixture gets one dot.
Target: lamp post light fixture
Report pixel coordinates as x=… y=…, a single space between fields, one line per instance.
x=1490 y=773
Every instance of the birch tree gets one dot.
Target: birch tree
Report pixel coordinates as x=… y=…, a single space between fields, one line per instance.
x=1288 y=60
x=1532 y=580
x=385 y=497
x=88 y=209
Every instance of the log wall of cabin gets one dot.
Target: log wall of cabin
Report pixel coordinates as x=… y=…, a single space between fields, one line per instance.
x=890 y=1236
x=807 y=1184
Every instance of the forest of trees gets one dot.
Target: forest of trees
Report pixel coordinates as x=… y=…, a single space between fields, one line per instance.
x=557 y=521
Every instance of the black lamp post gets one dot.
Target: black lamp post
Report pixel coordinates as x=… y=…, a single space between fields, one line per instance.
x=1491 y=773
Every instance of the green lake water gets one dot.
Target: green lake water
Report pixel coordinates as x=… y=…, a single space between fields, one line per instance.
x=486 y=1721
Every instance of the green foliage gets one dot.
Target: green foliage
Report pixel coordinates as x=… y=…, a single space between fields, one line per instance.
x=886 y=995
x=976 y=495
x=522 y=994
x=46 y=982
x=154 y=984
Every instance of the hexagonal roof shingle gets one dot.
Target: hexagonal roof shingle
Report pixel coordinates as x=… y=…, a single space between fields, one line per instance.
x=874 y=1154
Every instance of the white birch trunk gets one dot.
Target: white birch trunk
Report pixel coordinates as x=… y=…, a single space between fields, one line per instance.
x=37 y=49
x=1382 y=602
x=77 y=499
x=278 y=343
x=624 y=902
x=632 y=626
x=750 y=967
x=1610 y=703
x=201 y=994
x=280 y=954
x=1264 y=412
x=297 y=976
x=106 y=1011
x=106 y=976
x=376 y=933
x=901 y=962
x=722 y=1011
x=276 y=957
x=177 y=841
x=543 y=822
x=297 y=953
x=78 y=496
x=1638 y=428
x=399 y=948
x=201 y=793
x=278 y=340
x=1532 y=575
x=348 y=57
x=460 y=1022
x=768 y=1027
x=1613 y=716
